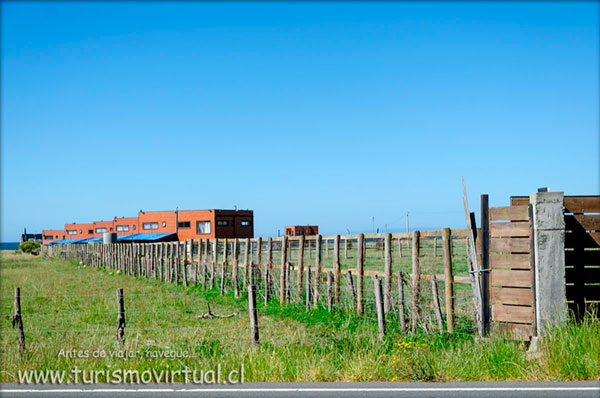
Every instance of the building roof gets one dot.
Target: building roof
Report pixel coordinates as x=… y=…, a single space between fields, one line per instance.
x=144 y=237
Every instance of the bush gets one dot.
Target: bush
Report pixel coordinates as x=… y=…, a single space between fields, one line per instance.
x=30 y=247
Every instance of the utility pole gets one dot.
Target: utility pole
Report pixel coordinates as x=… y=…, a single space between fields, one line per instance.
x=407 y=228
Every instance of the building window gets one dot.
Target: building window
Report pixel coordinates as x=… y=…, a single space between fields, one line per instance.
x=72 y=231
x=245 y=223
x=164 y=224
x=133 y=226
x=150 y=225
x=110 y=229
x=222 y=223
x=48 y=237
x=79 y=231
x=90 y=231
x=203 y=227
x=183 y=224
x=100 y=230
x=122 y=228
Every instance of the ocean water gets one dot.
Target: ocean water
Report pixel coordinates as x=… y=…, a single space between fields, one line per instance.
x=9 y=245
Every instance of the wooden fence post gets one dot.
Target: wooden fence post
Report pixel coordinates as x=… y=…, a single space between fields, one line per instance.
x=247 y=245
x=282 y=279
x=300 y=273
x=401 y=311
x=359 y=274
x=448 y=280
x=351 y=287
x=234 y=275
x=120 y=317
x=177 y=263
x=224 y=267
x=329 y=291
x=185 y=263
x=434 y=247
x=17 y=321
x=308 y=287
x=253 y=314
x=379 y=304
x=336 y=269
x=387 y=288
x=416 y=280
x=213 y=271
x=436 y=303
x=317 y=287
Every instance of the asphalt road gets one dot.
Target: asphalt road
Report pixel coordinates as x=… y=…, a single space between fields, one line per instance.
x=342 y=390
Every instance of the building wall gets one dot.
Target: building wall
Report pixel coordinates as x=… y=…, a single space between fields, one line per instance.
x=132 y=224
x=56 y=234
x=165 y=222
x=109 y=225
x=233 y=224
x=82 y=231
x=306 y=230
x=234 y=220
x=193 y=217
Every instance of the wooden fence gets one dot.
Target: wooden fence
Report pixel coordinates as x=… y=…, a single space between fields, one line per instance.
x=318 y=270
x=582 y=253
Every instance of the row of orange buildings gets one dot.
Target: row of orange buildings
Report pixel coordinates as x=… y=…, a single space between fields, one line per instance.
x=160 y=225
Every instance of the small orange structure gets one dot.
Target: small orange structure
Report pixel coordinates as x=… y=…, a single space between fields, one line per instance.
x=299 y=230
x=52 y=235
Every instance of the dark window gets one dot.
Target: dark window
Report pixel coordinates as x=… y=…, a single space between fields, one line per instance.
x=164 y=224
x=300 y=233
x=90 y=231
x=203 y=227
x=133 y=227
x=79 y=231
x=150 y=225
x=110 y=229
x=183 y=224
x=222 y=223
x=49 y=237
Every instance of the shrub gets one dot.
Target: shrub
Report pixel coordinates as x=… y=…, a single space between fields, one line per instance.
x=30 y=247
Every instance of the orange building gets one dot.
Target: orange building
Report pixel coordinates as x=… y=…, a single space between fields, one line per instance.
x=187 y=224
x=126 y=225
x=298 y=230
x=79 y=231
x=52 y=235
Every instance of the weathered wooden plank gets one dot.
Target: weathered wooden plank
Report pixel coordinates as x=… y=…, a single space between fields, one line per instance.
x=519 y=200
x=513 y=261
x=579 y=222
x=509 y=229
x=514 y=245
x=509 y=213
x=511 y=278
x=512 y=295
x=519 y=331
x=512 y=313
x=582 y=204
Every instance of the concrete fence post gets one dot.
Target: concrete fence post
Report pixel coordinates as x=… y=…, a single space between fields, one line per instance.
x=549 y=259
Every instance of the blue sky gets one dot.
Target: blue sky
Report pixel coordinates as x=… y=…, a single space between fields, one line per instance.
x=321 y=113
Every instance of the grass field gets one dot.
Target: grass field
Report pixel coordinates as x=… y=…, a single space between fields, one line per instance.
x=68 y=307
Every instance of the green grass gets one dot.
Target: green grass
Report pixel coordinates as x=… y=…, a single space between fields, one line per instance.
x=67 y=306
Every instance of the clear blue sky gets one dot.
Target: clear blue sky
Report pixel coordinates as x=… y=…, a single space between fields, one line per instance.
x=324 y=113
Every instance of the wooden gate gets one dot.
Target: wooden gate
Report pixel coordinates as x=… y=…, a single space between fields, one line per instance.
x=582 y=253
x=512 y=268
